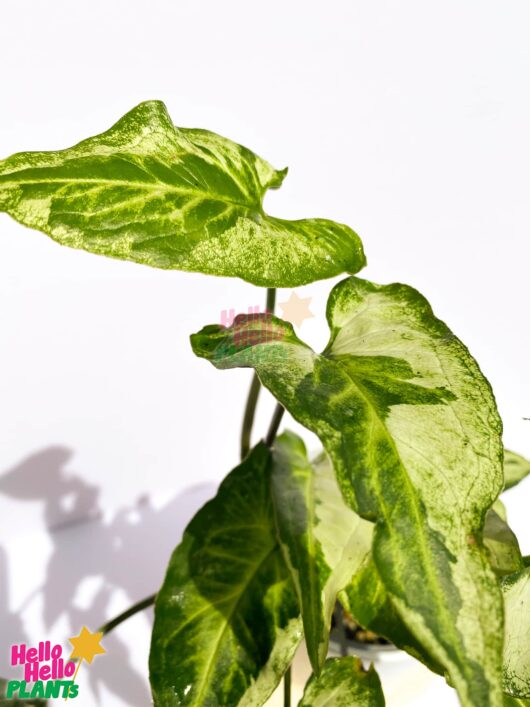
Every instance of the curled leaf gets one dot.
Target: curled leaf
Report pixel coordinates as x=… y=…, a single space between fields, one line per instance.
x=172 y=198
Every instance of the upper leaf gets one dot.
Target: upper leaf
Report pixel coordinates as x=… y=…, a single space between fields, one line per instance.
x=324 y=542
x=344 y=683
x=226 y=618
x=174 y=198
x=415 y=438
x=516 y=591
x=516 y=468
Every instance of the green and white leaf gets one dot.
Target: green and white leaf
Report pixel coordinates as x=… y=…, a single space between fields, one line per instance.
x=367 y=600
x=227 y=620
x=516 y=591
x=516 y=468
x=175 y=198
x=324 y=542
x=343 y=682
x=412 y=428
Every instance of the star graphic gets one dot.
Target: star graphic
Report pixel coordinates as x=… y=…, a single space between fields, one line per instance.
x=296 y=309
x=86 y=645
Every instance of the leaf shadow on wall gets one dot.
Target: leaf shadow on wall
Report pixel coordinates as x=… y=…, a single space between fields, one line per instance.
x=123 y=553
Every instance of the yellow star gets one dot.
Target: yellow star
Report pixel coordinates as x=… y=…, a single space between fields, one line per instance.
x=86 y=645
x=296 y=309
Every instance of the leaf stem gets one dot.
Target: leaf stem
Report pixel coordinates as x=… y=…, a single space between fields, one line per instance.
x=274 y=424
x=287 y=688
x=248 y=417
x=134 y=609
x=253 y=393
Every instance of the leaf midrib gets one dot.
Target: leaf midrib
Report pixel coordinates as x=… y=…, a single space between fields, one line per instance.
x=224 y=626
x=424 y=550
x=154 y=186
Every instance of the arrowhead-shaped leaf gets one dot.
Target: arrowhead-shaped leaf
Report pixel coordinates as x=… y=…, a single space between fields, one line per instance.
x=175 y=198
x=516 y=591
x=415 y=438
x=516 y=468
x=324 y=542
x=226 y=618
x=344 y=683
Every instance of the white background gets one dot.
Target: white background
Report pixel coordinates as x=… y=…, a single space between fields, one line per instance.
x=407 y=120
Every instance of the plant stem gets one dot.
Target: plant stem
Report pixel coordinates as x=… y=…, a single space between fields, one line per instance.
x=116 y=621
x=287 y=688
x=248 y=417
x=274 y=424
x=253 y=393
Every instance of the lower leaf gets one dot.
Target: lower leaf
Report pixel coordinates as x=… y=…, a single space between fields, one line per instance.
x=344 y=683
x=227 y=620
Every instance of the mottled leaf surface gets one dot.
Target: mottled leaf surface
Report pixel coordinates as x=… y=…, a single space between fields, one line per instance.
x=516 y=468
x=516 y=591
x=323 y=540
x=415 y=438
x=226 y=618
x=176 y=198
x=367 y=600
x=343 y=682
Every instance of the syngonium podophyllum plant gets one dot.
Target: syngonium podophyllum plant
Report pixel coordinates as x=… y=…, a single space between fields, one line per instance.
x=398 y=517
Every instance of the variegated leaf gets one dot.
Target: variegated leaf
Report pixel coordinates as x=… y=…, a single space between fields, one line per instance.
x=227 y=619
x=415 y=438
x=516 y=468
x=366 y=599
x=175 y=198
x=344 y=683
x=324 y=542
x=516 y=591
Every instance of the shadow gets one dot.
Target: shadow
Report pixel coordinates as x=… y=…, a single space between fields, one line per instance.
x=123 y=554
x=43 y=477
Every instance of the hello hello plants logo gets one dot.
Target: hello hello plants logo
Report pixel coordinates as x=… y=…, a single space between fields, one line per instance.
x=256 y=327
x=46 y=673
